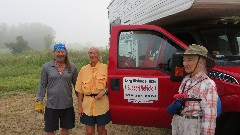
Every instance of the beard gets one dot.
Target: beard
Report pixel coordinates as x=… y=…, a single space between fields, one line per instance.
x=60 y=58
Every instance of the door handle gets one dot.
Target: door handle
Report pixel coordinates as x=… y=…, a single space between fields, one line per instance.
x=115 y=84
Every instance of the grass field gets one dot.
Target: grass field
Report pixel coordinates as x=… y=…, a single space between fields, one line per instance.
x=19 y=79
x=21 y=72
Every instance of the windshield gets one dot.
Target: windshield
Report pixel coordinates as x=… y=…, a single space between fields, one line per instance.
x=223 y=44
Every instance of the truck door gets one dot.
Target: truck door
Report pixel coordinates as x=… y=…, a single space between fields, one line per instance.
x=139 y=67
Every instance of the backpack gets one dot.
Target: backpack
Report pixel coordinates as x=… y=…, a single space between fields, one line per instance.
x=219 y=107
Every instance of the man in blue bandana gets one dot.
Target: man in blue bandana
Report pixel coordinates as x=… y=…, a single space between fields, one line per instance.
x=58 y=77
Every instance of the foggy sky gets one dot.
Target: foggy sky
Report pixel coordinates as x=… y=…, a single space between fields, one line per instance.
x=81 y=21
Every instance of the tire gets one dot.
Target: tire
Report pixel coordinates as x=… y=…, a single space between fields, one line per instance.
x=228 y=124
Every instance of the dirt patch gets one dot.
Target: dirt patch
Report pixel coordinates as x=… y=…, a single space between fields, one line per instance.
x=17 y=117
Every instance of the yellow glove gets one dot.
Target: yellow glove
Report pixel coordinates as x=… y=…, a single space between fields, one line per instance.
x=39 y=107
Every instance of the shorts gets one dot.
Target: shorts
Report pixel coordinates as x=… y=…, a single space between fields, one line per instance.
x=52 y=117
x=184 y=126
x=100 y=120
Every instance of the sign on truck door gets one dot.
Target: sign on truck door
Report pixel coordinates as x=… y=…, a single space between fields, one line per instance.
x=139 y=75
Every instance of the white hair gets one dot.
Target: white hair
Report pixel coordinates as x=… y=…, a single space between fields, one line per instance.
x=99 y=54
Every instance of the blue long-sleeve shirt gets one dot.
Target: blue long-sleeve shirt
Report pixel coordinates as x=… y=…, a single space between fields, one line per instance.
x=57 y=86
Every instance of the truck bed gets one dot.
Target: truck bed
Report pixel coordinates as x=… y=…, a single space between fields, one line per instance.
x=168 y=12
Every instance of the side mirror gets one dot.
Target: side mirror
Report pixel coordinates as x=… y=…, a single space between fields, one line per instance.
x=177 y=70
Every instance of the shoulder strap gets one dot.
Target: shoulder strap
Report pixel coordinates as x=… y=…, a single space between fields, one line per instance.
x=191 y=86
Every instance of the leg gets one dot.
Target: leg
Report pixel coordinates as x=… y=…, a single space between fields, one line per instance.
x=192 y=126
x=89 y=122
x=90 y=130
x=67 y=120
x=101 y=121
x=176 y=127
x=101 y=130
x=64 y=131
x=51 y=120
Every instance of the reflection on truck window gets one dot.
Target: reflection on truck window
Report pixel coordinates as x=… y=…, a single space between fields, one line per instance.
x=222 y=43
x=144 y=49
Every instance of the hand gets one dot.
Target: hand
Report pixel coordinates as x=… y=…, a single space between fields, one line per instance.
x=214 y=53
x=80 y=111
x=39 y=107
x=100 y=95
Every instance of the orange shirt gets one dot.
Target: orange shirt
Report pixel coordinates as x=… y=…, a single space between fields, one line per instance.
x=92 y=80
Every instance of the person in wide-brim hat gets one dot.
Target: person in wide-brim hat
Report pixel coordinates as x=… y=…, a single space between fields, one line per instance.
x=202 y=52
x=198 y=113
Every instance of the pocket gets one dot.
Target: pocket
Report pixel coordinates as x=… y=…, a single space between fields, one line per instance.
x=86 y=86
x=101 y=82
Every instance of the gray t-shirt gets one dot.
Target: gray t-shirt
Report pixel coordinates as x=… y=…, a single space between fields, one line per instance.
x=58 y=87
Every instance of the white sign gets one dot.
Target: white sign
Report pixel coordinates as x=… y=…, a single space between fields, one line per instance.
x=140 y=90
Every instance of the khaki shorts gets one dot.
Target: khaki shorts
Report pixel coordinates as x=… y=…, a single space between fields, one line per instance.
x=185 y=126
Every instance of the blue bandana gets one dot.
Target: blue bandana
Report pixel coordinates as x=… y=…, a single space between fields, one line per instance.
x=60 y=46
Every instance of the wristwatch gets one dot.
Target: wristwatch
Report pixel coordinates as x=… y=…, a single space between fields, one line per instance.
x=105 y=91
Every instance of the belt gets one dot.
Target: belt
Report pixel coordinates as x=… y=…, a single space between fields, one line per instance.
x=92 y=95
x=190 y=117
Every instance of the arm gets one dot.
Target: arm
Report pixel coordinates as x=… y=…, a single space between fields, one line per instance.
x=104 y=91
x=80 y=109
x=78 y=82
x=209 y=107
x=41 y=91
x=43 y=85
x=79 y=93
x=101 y=94
x=74 y=79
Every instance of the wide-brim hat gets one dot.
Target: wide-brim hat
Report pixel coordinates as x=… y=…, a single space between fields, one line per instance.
x=202 y=52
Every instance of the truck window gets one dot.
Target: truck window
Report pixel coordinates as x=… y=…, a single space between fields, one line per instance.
x=185 y=37
x=223 y=44
x=217 y=42
x=144 y=50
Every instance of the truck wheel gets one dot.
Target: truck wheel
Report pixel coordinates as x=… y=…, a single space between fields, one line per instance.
x=228 y=124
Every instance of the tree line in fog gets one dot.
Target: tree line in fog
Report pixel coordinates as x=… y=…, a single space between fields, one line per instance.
x=35 y=36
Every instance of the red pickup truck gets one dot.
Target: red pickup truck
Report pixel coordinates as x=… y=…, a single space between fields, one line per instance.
x=142 y=44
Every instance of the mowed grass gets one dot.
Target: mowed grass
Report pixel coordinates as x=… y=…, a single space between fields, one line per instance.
x=21 y=72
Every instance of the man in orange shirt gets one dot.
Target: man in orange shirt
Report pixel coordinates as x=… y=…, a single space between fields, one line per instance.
x=93 y=103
